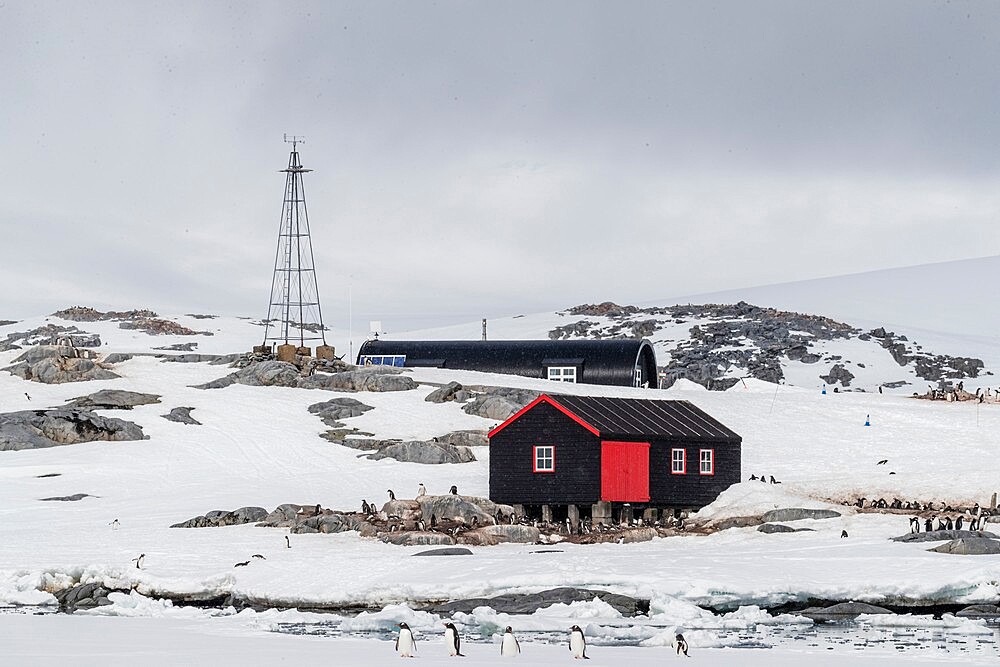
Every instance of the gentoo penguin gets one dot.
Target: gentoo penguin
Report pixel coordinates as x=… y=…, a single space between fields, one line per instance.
x=138 y=561
x=682 y=645
x=421 y=490
x=114 y=524
x=392 y=496
x=406 y=646
x=453 y=490
x=259 y=556
x=509 y=646
x=843 y=533
x=288 y=543
x=243 y=564
x=26 y=396
x=577 y=643
x=366 y=509
x=958 y=523
x=452 y=640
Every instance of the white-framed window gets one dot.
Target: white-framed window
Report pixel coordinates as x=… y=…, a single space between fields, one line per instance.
x=678 y=462
x=562 y=373
x=383 y=360
x=544 y=458
x=706 y=461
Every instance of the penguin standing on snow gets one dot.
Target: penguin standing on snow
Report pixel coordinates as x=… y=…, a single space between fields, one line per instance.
x=682 y=645
x=421 y=490
x=577 y=643
x=406 y=646
x=509 y=646
x=452 y=640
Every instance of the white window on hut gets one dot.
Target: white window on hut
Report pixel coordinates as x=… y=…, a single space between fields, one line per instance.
x=678 y=462
x=562 y=373
x=544 y=458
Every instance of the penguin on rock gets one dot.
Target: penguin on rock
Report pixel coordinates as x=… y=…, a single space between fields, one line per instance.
x=509 y=646
x=406 y=646
x=452 y=641
x=577 y=643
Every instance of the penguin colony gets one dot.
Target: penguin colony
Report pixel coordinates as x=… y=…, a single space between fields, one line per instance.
x=406 y=645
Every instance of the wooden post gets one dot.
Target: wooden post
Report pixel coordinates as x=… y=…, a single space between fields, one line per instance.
x=546 y=513
x=324 y=352
x=600 y=512
x=993 y=501
x=626 y=515
x=286 y=353
x=573 y=512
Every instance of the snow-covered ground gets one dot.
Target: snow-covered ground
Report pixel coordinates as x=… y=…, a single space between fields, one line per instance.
x=260 y=446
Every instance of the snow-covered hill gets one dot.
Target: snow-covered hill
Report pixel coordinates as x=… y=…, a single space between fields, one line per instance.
x=261 y=446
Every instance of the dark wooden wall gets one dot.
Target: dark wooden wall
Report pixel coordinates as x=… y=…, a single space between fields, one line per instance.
x=692 y=490
x=577 y=479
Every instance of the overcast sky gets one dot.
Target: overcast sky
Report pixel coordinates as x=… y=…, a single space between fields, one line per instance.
x=487 y=159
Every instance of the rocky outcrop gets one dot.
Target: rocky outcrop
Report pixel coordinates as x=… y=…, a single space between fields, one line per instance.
x=465 y=438
x=838 y=373
x=529 y=603
x=34 y=429
x=499 y=403
x=50 y=334
x=468 y=510
x=942 y=535
x=155 y=326
x=780 y=528
x=372 y=378
x=57 y=364
x=416 y=538
x=272 y=373
x=423 y=451
x=842 y=611
x=67 y=499
x=112 y=399
x=445 y=551
x=225 y=518
x=797 y=514
x=84 y=596
x=87 y=314
x=453 y=391
x=987 y=611
x=181 y=415
x=969 y=546
x=178 y=347
x=339 y=408
x=213 y=359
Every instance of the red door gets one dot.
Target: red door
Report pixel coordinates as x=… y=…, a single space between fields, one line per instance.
x=625 y=472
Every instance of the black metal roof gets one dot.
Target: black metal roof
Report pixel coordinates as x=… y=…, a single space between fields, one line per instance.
x=601 y=361
x=631 y=417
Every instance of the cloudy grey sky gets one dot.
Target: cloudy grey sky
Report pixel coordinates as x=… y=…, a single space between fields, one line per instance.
x=484 y=159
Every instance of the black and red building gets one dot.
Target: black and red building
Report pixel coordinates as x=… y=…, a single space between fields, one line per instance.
x=581 y=450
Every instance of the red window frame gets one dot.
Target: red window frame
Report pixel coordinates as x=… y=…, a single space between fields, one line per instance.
x=534 y=458
x=683 y=470
x=711 y=462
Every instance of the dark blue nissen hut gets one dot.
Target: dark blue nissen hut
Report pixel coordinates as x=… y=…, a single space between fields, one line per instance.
x=623 y=362
x=597 y=453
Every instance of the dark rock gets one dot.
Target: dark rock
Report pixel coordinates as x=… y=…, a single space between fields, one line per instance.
x=214 y=359
x=842 y=611
x=339 y=408
x=34 y=429
x=182 y=416
x=528 y=603
x=416 y=538
x=444 y=394
x=225 y=518
x=516 y=533
x=737 y=522
x=979 y=611
x=72 y=498
x=798 y=513
x=780 y=528
x=112 y=399
x=57 y=364
x=942 y=535
x=969 y=546
x=499 y=403
x=117 y=357
x=370 y=378
x=178 y=347
x=445 y=551
x=838 y=373
x=419 y=451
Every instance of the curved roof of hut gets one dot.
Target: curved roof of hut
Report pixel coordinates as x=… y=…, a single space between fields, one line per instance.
x=601 y=361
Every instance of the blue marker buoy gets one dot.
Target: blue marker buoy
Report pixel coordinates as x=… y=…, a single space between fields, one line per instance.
x=868 y=421
x=824 y=390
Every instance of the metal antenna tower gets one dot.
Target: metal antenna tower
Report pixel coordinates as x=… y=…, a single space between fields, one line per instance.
x=294 y=314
